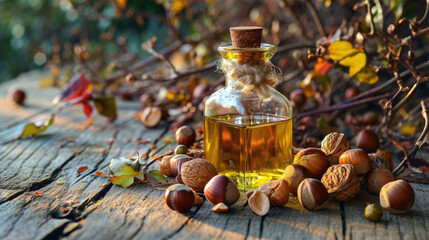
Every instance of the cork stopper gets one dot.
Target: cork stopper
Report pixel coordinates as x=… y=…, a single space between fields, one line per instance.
x=246 y=37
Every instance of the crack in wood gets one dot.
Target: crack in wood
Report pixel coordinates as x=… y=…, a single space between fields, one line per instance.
x=261 y=226
x=248 y=229
x=184 y=224
x=343 y=219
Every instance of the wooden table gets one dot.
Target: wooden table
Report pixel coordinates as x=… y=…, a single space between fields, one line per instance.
x=87 y=207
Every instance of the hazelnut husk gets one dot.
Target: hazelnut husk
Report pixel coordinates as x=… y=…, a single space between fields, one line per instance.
x=358 y=158
x=367 y=140
x=379 y=177
x=397 y=197
x=333 y=145
x=312 y=194
x=179 y=197
x=342 y=182
x=221 y=189
x=185 y=135
x=197 y=173
x=277 y=191
x=381 y=159
x=294 y=174
x=313 y=160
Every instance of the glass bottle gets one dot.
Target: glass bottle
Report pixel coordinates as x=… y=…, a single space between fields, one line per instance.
x=248 y=128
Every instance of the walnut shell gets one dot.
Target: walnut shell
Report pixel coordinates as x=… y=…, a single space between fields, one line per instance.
x=197 y=173
x=381 y=159
x=333 y=145
x=342 y=182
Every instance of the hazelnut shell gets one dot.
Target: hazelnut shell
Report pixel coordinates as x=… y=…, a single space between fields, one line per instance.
x=397 y=197
x=333 y=145
x=294 y=174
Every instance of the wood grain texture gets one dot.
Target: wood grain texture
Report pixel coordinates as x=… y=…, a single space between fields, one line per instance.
x=86 y=206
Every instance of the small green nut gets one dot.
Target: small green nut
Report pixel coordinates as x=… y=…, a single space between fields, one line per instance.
x=181 y=149
x=373 y=212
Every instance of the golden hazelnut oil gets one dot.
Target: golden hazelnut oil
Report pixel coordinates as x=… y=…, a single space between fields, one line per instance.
x=251 y=150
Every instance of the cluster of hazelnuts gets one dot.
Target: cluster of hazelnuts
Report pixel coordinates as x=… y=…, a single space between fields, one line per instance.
x=317 y=175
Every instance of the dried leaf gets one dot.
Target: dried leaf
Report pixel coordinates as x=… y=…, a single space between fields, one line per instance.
x=86 y=125
x=37 y=194
x=84 y=181
x=99 y=173
x=322 y=67
x=168 y=140
x=157 y=175
x=76 y=89
x=81 y=169
x=152 y=147
x=37 y=126
x=106 y=106
x=178 y=5
x=60 y=182
x=307 y=86
x=122 y=4
x=46 y=82
x=367 y=75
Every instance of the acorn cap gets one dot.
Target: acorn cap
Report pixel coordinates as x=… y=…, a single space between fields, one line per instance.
x=246 y=37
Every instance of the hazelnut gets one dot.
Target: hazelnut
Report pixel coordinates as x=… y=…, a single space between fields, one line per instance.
x=150 y=116
x=351 y=92
x=294 y=174
x=313 y=160
x=146 y=99
x=176 y=163
x=221 y=189
x=367 y=140
x=342 y=182
x=197 y=173
x=333 y=145
x=220 y=208
x=185 y=135
x=259 y=203
x=180 y=149
x=379 y=177
x=312 y=194
x=397 y=197
x=200 y=91
x=369 y=118
x=277 y=191
x=373 y=212
x=165 y=166
x=16 y=96
x=179 y=197
x=297 y=97
x=358 y=158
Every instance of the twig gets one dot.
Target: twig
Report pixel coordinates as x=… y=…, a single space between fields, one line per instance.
x=425 y=16
x=417 y=146
x=293 y=46
x=342 y=106
x=368 y=5
x=285 y=5
x=178 y=76
x=385 y=85
x=149 y=47
x=316 y=18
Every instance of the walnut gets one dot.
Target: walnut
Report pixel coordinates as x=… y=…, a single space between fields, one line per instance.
x=342 y=182
x=197 y=173
x=334 y=144
x=381 y=159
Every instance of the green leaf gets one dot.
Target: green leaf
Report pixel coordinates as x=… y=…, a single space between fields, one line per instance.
x=157 y=175
x=125 y=176
x=37 y=126
x=106 y=106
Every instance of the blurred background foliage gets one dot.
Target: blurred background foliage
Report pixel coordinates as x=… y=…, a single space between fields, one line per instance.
x=36 y=33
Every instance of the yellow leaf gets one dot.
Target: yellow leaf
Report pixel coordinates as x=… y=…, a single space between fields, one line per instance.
x=178 y=5
x=122 y=4
x=168 y=140
x=307 y=86
x=127 y=170
x=125 y=176
x=367 y=75
x=46 y=82
x=341 y=49
x=355 y=62
x=409 y=130
x=60 y=182
x=37 y=126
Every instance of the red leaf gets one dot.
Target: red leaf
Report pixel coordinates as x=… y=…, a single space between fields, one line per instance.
x=81 y=169
x=87 y=109
x=37 y=194
x=76 y=88
x=322 y=67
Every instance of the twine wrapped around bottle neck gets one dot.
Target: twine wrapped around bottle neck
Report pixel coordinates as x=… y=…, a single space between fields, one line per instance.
x=252 y=77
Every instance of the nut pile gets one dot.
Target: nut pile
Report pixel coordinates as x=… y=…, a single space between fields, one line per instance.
x=333 y=172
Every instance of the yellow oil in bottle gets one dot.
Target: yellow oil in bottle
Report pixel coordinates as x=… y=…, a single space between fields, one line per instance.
x=251 y=150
